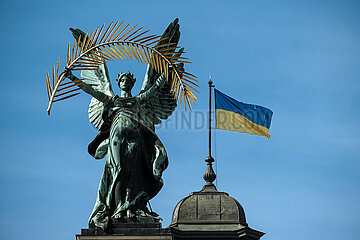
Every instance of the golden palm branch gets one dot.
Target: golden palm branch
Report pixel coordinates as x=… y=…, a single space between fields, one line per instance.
x=121 y=43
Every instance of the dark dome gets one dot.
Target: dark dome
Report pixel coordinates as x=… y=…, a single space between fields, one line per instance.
x=208 y=210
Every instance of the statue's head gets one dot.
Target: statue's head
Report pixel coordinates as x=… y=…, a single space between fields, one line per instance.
x=126 y=81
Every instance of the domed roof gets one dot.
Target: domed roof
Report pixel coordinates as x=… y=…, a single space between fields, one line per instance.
x=208 y=210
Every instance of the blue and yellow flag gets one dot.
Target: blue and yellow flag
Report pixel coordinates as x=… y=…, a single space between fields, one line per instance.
x=242 y=117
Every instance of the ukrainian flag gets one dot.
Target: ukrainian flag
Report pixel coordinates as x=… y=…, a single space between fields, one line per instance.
x=242 y=117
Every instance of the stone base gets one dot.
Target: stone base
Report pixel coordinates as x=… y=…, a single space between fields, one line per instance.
x=243 y=234
x=126 y=231
x=119 y=237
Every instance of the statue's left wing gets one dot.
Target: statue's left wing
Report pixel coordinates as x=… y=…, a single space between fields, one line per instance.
x=162 y=103
x=170 y=36
x=159 y=106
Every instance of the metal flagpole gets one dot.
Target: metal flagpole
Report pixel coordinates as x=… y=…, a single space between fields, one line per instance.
x=209 y=175
x=210 y=86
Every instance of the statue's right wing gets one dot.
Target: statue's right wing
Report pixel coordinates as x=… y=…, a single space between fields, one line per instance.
x=95 y=112
x=99 y=80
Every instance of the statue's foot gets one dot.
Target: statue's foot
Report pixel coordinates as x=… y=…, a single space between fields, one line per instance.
x=153 y=214
x=130 y=214
x=118 y=215
x=141 y=214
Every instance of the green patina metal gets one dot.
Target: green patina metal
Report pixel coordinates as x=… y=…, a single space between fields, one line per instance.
x=135 y=157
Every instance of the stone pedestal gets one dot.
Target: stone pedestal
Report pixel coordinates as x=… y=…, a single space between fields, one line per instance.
x=207 y=214
x=120 y=237
x=126 y=231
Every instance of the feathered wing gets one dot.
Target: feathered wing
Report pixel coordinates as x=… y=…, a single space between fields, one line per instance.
x=171 y=35
x=99 y=80
x=163 y=103
x=159 y=106
x=95 y=112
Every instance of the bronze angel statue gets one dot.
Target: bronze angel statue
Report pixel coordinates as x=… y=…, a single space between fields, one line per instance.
x=135 y=156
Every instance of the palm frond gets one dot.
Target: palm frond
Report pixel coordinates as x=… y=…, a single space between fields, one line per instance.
x=115 y=42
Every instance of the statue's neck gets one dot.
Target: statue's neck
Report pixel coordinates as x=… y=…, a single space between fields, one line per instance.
x=125 y=94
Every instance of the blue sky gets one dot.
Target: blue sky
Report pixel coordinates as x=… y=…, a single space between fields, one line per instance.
x=298 y=58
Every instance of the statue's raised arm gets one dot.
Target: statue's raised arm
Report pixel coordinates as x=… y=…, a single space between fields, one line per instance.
x=100 y=94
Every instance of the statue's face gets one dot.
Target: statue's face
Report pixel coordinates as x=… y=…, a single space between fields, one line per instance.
x=126 y=83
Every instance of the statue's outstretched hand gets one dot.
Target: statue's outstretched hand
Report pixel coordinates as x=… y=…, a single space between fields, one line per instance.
x=69 y=74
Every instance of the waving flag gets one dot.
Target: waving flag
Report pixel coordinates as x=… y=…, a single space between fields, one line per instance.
x=242 y=117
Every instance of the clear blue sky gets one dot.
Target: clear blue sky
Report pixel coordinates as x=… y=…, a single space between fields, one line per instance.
x=298 y=58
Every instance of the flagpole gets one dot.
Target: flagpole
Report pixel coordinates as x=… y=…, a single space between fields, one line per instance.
x=210 y=86
x=209 y=175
